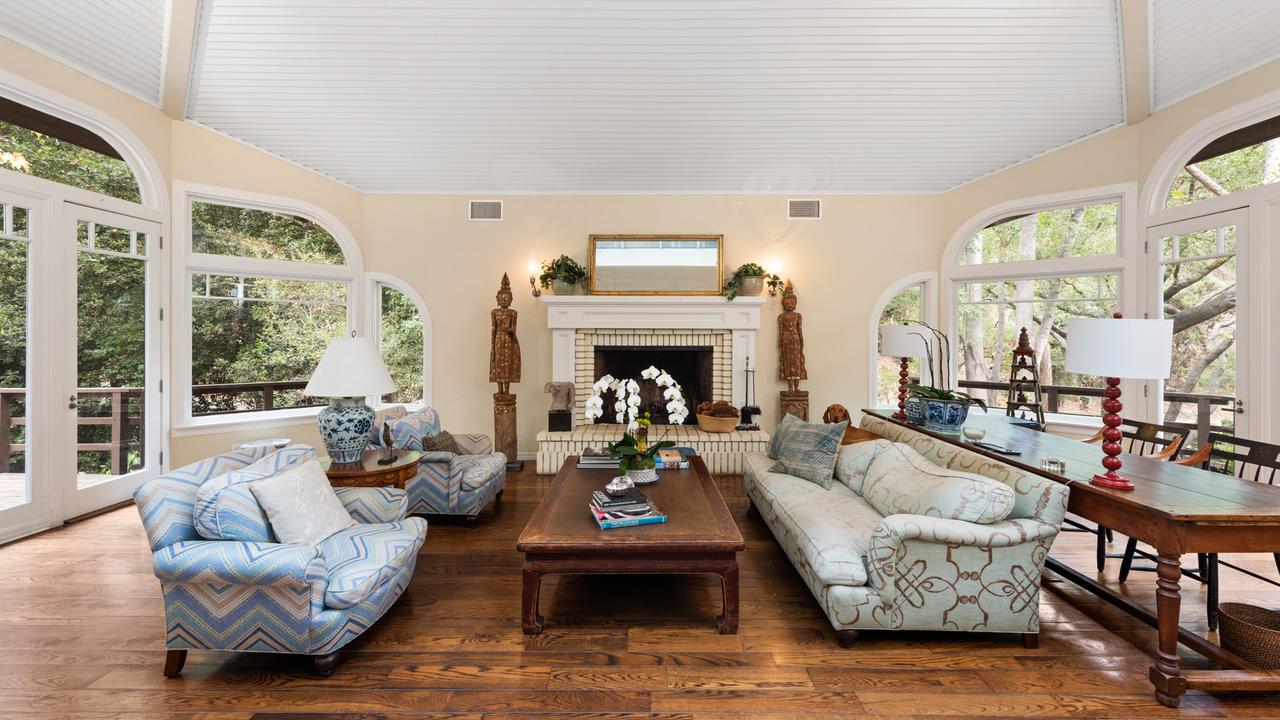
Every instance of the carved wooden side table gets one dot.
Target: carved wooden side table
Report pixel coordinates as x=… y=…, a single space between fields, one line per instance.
x=368 y=473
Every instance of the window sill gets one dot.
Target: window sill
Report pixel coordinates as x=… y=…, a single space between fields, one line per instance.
x=214 y=424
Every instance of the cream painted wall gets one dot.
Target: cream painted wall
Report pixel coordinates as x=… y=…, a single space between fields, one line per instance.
x=839 y=265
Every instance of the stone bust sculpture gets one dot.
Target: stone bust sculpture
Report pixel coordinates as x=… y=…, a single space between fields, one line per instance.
x=561 y=395
x=504 y=350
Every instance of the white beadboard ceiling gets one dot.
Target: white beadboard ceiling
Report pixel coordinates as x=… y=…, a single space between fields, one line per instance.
x=653 y=96
x=120 y=42
x=1196 y=44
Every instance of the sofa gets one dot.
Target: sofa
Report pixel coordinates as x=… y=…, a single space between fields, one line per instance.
x=459 y=484
x=917 y=535
x=228 y=584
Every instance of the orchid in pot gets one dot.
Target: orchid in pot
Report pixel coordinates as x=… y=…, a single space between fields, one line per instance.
x=634 y=452
x=940 y=409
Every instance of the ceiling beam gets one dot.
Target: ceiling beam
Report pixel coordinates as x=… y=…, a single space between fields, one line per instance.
x=1135 y=44
x=179 y=43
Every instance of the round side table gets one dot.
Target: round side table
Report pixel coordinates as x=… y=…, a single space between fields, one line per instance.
x=368 y=473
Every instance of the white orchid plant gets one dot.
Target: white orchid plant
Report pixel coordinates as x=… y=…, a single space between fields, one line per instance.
x=626 y=407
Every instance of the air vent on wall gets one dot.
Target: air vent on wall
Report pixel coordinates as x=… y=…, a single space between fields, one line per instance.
x=486 y=209
x=804 y=209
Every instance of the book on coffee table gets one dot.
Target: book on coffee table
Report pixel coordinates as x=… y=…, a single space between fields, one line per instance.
x=607 y=520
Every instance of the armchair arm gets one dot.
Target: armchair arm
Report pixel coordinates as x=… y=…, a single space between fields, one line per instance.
x=903 y=546
x=239 y=563
x=474 y=444
x=372 y=505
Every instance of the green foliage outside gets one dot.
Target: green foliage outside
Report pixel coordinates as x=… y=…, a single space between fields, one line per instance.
x=33 y=153
x=402 y=344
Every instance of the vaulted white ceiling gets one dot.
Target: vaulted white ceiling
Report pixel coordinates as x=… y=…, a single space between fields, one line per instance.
x=118 y=41
x=648 y=96
x=1196 y=45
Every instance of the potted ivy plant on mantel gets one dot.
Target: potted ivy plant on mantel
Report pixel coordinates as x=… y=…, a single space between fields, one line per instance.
x=940 y=409
x=749 y=280
x=564 y=275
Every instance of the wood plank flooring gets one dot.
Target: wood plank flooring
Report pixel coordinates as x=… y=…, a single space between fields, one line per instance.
x=81 y=628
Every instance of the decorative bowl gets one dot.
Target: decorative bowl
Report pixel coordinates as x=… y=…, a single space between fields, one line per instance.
x=643 y=476
x=914 y=410
x=945 y=416
x=706 y=423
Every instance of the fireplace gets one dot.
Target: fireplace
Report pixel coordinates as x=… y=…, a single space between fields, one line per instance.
x=692 y=367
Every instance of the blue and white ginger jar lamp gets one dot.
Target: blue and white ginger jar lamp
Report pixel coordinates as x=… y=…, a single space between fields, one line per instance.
x=351 y=370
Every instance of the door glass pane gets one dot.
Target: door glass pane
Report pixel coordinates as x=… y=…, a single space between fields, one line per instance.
x=111 y=356
x=15 y=487
x=1199 y=295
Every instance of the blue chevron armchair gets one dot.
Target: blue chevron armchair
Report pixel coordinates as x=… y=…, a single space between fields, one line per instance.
x=254 y=594
x=447 y=483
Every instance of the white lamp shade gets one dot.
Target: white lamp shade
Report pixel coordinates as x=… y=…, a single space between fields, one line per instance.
x=351 y=367
x=1120 y=348
x=904 y=341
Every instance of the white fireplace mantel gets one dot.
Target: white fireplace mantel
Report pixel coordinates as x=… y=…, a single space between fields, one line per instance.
x=566 y=314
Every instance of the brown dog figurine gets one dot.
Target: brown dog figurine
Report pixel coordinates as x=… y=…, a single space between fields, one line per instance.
x=838 y=413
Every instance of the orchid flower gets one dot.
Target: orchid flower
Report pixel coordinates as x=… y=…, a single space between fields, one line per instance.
x=650 y=373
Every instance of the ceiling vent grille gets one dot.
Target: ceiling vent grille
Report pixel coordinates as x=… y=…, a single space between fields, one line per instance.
x=804 y=209
x=486 y=210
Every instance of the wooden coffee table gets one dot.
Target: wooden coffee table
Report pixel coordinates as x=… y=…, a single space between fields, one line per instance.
x=698 y=538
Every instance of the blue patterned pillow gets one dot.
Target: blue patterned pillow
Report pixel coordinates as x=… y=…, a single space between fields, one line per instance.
x=807 y=450
x=773 y=441
x=225 y=509
x=407 y=432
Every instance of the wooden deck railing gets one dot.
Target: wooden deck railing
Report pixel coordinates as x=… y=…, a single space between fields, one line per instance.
x=124 y=416
x=1205 y=404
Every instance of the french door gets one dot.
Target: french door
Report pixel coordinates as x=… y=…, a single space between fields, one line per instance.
x=1201 y=280
x=80 y=357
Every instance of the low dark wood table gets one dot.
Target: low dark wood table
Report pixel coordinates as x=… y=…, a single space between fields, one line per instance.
x=1175 y=508
x=699 y=536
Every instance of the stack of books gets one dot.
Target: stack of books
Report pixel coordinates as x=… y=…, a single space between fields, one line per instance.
x=591 y=461
x=671 y=458
x=626 y=510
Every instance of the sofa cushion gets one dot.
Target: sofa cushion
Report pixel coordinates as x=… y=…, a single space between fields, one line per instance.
x=362 y=557
x=854 y=460
x=225 y=508
x=808 y=450
x=832 y=528
x=301 y=504
x=900 y=480
x=380 y=420
x=407 y=432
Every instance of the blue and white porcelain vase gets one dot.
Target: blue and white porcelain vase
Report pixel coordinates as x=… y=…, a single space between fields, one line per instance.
x=945 y=416
x=344 y=427
x=914 y=410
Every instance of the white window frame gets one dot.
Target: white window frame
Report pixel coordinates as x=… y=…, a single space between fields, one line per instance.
x=928 y=313
x=373 y=321
x=185 y=263
x=1125 y=264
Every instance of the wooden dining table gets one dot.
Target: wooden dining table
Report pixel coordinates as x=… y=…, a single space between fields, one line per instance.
x=1174 y=508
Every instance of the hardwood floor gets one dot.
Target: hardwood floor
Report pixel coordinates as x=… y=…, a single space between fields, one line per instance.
x=81 y=628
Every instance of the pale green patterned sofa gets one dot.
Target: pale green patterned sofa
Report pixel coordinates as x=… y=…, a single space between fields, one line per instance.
x=905 y=571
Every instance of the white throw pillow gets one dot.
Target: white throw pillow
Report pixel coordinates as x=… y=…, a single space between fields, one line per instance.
x=301 y=504
x=853 y=461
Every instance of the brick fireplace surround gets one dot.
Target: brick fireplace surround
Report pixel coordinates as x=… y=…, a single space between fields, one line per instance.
x=579 y=323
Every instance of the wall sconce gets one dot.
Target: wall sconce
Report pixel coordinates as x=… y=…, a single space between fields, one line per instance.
x=533 y=279
x=775 y=268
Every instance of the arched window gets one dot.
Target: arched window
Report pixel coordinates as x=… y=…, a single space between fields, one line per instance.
x=41 y=145
x=1033 y=268
x=1240 y=160
x=270 y=282
x=403 y=331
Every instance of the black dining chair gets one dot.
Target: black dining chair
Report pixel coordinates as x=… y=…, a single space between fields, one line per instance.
x=1160 y=442
x=1246 y=459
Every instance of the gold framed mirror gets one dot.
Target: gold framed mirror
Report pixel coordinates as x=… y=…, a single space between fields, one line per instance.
x=656 y=264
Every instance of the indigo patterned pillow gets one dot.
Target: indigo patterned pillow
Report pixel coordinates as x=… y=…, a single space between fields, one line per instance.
x=807 y=450
x=773 y=441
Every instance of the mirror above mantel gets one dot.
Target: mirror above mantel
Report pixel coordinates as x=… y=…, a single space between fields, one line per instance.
x=656 y=264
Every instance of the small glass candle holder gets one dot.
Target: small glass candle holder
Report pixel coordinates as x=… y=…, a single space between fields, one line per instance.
x=973 y=434
x=1053 y=465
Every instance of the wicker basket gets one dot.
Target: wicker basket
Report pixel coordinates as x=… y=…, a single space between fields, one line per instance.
x=706 y=423
x=1251 y=632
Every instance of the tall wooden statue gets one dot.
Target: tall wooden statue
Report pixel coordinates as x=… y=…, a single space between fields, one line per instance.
x=1024 y=383
x=504 y=369
x=791 y=368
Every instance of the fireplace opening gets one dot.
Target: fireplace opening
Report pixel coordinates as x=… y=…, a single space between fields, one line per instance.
x=690 y=366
